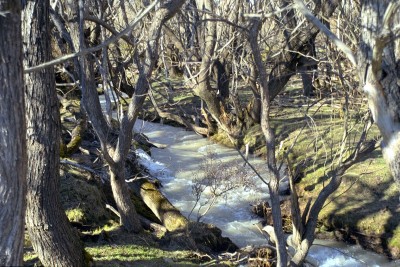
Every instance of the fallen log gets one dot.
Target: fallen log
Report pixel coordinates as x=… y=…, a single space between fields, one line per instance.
x=170 y=217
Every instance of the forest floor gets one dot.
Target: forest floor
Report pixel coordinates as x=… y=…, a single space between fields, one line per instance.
x=363 y=210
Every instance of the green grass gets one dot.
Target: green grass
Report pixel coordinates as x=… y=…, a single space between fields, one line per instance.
x=138 y=255
x=125 y=249
x=75 y=215
x=119 y=248
x=366 y=201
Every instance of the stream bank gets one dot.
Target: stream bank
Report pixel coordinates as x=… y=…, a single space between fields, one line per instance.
x=180 y=161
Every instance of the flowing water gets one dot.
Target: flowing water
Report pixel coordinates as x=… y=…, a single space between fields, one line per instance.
x=180 y=162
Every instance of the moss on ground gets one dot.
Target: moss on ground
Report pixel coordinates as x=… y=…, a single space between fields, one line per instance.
x=138 y=255
x=82 y=199
x=366 y=201
x=142 y=249
x=75 y=215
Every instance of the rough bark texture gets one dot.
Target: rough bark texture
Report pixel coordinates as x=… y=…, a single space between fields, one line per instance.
x=12 y=136
x=52 y=237
x=203 y=88
x=115 y=153
x=379 y=61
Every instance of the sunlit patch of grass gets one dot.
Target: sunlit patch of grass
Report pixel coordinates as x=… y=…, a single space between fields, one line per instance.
x=30 y=256
x=183 y=97
x=142 y=255
x=75 y=215
x=110 y=226
x=365 y=201
x=394 y=242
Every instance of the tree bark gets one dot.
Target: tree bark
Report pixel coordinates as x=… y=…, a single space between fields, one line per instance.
x=164 y=13
x=13 y=160
x=282 y=72
x=203 y=88
x=53 y=238
x=379 y=68
x=129 y=218
x=115 y=153
x=266 y=128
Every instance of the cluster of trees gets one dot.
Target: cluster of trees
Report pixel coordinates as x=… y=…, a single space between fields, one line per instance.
x=259 y=43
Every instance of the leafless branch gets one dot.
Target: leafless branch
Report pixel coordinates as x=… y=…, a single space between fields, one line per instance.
x=301 y=7
x=109 y=41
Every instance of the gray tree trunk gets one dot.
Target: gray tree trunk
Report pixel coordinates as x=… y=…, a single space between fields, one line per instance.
x=115 y=153
x=266 y=128
x=379 y=61
x=117 y=162
x=12 y=136
x=281 y=73
x=53 y=238
x=203 y=88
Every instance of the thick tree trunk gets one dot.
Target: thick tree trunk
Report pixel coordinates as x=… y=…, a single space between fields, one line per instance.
x=53 y=238
x=164 y=13
x=12 y=136
x=379 y=61
x=115 y=154
x=282 y=72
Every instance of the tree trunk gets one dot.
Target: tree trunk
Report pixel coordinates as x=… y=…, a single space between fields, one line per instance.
x=171 y=218
x=164 y=13
x=379 y=61
x=267 y=130
x=286 y=65
x=53 y=238
x=12 y=136
x=203 y=88
x=128 y=215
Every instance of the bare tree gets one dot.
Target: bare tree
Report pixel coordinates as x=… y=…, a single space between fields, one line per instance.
x=304 y=225
x=379 y=68
x=53 y=238
x=13 y=160
x=267 y=130
x=377 y=65
x=115 y=150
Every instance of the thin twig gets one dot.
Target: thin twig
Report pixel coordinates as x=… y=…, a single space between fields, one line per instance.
x=301 y=7
x=109 y=41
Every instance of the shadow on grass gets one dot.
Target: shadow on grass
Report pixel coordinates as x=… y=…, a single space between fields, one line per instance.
x=324 y=178
x=165 y=262
x=368 y=217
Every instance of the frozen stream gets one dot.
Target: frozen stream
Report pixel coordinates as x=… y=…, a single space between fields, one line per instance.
x=180 y=162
